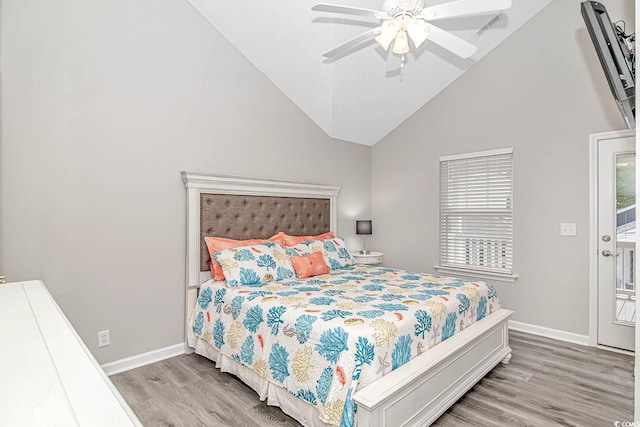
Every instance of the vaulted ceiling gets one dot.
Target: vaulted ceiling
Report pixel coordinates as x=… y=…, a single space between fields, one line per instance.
x=362 y=96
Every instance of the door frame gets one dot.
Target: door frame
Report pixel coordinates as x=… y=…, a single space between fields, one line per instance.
x=594 y=139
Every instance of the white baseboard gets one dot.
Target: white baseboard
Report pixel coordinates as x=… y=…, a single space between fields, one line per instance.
x=549 y=333
x=139 y=360
x=132 y=362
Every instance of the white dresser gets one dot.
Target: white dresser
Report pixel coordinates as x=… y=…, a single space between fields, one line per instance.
x=47 y=374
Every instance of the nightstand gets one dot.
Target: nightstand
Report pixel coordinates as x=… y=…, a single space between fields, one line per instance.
x=370 y=258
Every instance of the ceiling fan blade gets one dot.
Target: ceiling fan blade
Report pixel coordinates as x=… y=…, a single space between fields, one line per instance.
x=334 y=8
x=464 y=8
x=455 y=44
x=352 y=42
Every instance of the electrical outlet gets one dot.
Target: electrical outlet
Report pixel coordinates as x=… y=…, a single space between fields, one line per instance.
x=103 y=338
x=568 y=229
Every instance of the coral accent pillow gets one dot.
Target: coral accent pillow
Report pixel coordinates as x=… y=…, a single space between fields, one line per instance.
x=295 y=240
x=217 y=244
x=309 y=265
x=277 y=238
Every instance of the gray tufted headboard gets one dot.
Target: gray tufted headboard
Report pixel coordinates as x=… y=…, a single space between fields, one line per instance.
x=242 y=217
x=238 y=207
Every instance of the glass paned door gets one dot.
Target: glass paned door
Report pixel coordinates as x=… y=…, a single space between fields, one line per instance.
x=616 y=241
x=625 y=237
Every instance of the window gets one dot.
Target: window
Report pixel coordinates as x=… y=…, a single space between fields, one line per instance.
x=476 y=214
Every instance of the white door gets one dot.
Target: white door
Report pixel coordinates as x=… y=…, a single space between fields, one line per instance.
x=616 y=242
x=2 y=277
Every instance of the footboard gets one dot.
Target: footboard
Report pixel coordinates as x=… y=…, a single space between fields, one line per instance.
x=419 y=392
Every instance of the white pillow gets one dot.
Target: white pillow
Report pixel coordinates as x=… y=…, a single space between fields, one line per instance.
x=334 y=251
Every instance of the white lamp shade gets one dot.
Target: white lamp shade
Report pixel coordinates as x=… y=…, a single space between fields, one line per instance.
x=388 y=33
x=401 y=45
x=418 y=30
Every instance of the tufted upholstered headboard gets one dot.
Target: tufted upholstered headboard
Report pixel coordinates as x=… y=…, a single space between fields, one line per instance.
x=244 y=217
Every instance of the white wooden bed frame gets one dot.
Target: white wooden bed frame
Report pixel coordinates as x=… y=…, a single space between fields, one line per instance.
x=418 y=392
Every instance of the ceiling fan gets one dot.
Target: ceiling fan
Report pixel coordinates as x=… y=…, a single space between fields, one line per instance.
x=404 y=20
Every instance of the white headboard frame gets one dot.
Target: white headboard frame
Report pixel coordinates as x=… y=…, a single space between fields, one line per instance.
x=203 y=183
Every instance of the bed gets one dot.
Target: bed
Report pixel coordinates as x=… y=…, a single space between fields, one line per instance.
x=353 y=347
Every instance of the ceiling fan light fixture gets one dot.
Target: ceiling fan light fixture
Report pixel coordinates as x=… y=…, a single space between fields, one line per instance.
x=406 y=4
x=401 y=45
x=418 y=30
x=388 y=32
x=403 y=4
x=401 y=20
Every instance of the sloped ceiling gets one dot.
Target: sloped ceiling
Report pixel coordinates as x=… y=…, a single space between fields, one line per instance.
x=364 y=95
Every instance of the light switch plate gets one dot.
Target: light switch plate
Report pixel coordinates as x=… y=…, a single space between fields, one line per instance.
x=568 y=229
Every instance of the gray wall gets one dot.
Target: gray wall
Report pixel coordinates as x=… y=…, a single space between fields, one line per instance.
x=105 y=102
x=542 y=92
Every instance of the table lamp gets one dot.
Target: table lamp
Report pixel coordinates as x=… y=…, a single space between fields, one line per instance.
x=364 y=227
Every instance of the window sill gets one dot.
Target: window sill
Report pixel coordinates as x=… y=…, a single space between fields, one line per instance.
x=476 y=274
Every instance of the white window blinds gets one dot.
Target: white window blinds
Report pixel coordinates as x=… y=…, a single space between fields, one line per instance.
x=476 y=211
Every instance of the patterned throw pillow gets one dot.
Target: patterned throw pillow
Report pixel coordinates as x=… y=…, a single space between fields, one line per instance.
x=335 y=252
x=309 y=265
x=217 y=244
x=254 y=265
x=295 y=240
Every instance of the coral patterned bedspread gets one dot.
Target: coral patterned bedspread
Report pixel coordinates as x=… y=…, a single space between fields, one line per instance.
x=325 y=337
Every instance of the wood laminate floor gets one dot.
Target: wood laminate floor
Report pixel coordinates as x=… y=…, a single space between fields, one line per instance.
x=547 y=383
